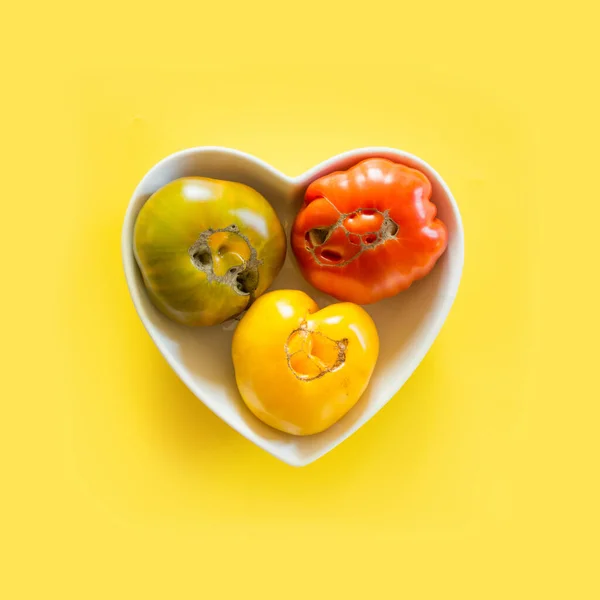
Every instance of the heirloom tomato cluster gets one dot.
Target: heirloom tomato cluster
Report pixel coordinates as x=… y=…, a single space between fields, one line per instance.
x=208 y=250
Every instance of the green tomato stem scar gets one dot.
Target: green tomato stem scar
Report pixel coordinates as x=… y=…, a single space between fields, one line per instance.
x=242 y=279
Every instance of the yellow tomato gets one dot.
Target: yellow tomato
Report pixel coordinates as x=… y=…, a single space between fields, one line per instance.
x=300 y=369
x=206 y=248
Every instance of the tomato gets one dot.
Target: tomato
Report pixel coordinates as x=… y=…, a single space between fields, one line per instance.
x=300 y=369
x=369 y=232
x=206 y=248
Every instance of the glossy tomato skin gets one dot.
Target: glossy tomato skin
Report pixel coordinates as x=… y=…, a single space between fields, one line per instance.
x=300 y=369
x=206 y=248
x=368 y=233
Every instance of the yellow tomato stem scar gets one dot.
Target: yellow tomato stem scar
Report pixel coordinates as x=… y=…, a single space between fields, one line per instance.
x=312 y=354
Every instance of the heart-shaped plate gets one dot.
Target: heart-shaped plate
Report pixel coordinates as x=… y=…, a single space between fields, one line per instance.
x=407 y=323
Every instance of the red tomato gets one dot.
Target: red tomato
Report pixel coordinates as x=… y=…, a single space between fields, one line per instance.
x=367 y=233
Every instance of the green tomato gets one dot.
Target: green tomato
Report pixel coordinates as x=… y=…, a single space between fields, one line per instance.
x=206 y=248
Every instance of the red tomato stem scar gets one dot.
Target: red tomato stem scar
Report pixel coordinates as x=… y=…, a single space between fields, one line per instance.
x=318 y=236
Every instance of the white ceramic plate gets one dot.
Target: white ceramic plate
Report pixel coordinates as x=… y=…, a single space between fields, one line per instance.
x=407 y=324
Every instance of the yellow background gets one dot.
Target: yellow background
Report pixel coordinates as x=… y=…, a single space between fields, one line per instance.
x=478 y=480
